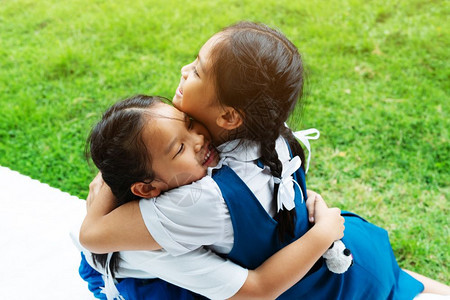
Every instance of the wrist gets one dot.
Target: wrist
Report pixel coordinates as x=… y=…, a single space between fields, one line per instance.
x=323 y=233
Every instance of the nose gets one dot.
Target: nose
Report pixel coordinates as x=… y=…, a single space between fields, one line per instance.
x=199 y=141
x=185 y=71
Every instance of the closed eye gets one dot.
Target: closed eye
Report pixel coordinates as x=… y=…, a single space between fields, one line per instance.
x=196 y=72
x=179 y=150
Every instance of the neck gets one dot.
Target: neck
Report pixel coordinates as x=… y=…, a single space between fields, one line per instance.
x=221 y=135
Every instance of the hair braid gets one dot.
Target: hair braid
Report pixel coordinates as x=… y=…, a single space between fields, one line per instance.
x=259 y=72
x=285 y=218
x=269 y=157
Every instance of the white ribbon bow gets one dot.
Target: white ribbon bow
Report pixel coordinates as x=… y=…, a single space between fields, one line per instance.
x=286 y=194
x=110 y=289
x=304 y=136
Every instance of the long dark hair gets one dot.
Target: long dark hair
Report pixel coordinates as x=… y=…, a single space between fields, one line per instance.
x=259 y=72
x=115 y=146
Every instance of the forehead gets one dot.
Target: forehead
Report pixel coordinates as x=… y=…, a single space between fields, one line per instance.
x=209 y=45
x=166 y=111
x=161 y=120
x=163 y=123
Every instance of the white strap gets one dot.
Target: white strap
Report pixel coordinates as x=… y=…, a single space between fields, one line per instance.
x=286 y=194
x=110 y=289
x=304 y=136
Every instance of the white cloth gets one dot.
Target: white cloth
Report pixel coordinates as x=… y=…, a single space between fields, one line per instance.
x=172 y=225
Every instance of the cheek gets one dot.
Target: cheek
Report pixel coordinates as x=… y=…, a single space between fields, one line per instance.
x=189 y=101
x=196 y=172
x=195 y=94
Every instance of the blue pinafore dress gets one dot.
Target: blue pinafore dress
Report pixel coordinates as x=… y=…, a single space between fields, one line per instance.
x=374 y=274
x=133 y=288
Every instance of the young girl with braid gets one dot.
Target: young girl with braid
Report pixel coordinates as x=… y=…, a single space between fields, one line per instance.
x=131 y=135
x=243 y=85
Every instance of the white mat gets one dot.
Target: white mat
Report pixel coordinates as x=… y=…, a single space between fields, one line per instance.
x=38 y=258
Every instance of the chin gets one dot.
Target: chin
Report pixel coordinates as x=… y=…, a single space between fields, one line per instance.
x=194 y=177
x=176 y=102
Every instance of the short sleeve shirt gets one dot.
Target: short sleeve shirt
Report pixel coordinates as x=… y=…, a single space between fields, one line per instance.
x=185 y=218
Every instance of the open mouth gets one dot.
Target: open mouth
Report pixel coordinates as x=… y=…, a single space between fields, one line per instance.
x=209 y=155
x=179 y=91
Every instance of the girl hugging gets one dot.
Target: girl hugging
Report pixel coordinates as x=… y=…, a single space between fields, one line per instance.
x=251 y=207
x=130 y=136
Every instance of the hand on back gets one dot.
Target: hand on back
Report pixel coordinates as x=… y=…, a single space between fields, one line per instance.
x=96 y=187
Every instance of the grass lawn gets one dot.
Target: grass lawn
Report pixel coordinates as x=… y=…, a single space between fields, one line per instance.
x=378 y=90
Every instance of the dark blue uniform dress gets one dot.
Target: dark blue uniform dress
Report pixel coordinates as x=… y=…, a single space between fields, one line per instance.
x=134 y=288
x=374 y=274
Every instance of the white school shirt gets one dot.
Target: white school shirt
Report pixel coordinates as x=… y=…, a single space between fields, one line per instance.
x=201 y=205
x=200 y=271
x=185 y=218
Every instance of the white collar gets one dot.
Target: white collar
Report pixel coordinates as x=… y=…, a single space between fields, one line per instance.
x=241 y=150
x=246 y=150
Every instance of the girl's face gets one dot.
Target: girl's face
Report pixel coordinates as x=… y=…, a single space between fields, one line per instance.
x=180 y=147
x=196 y=94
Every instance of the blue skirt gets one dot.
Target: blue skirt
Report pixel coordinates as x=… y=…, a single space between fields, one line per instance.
x=374 y=275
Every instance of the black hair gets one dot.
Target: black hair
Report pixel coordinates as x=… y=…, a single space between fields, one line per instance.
x=116 y=147
x=259 y=72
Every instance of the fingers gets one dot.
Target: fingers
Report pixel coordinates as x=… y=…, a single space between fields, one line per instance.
x=336 y=211
x=311 y=215
x=340 y=220
x=310 y=205
x=320 y=203
x=94 y=187
x=319 y=212
x=313 y=197
x=96 y=182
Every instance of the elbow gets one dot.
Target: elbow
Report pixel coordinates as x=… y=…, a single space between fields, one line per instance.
x=86 y=238
x=90 y=240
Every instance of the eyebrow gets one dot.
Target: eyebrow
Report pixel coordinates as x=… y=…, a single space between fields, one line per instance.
x=174 y=139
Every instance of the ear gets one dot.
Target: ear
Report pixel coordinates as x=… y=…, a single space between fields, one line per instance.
x=147 y=190
x=229 y=119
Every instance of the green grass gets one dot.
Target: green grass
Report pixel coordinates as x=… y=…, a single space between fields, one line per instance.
x=378 y=84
